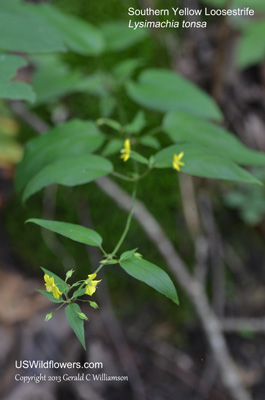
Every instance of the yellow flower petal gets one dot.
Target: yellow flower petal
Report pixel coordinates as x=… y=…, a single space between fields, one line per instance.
x=126 y=150
x=91 y=285
x=176 y=161
x=56 y=292
x=92 y=276
x=51 y=287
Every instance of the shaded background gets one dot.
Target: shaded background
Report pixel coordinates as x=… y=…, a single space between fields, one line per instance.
x=218 y=229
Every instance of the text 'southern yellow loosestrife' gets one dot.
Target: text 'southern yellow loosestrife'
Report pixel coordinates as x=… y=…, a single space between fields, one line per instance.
x=51 y=287
x=91 y=285
x=176 y=161
x=126 y=150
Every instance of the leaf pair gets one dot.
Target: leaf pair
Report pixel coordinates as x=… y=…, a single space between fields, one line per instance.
x=209 y=150
x=62 y=156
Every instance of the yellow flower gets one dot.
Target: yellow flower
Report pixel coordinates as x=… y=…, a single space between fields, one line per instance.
x=126 y=150
x=51 y=287
x=91 y=285
x=176 y=161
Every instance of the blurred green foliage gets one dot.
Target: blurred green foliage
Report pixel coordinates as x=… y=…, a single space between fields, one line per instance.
x=92 y=95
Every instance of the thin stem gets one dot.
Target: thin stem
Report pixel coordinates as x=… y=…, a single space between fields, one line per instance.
x=103 y=251
x=128 y=223
x=101 y=266
x=121 y=176
x=127 y=178
x=58 y=308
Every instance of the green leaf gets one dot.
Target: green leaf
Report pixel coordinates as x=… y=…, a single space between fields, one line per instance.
x=72 y=171
x=54 y=79
x=113 y=147
x=139 y=158
x=111 y=123
x=127 y=254
x=163 y=90
x=126 y=68
x=150 y=141
x=137 y=124
x=10 y=89
x=150 y=274
x=118 y=37
x=58 y=281
x=74 y=232
x=79 y=293
x=23 y=30
x=77 y=34
x=67 y=140
x=251 y=49
x=186 y=128
x=203 y=162
x=50 y=296
x=76 y=323
x=107 y=105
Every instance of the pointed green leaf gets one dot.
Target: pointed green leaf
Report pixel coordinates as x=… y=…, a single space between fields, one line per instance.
x=76 y=323
x=118 y=37
x=251 y=49
x=113 y=147
x=71 y=171
x=50 y=296
x=187 y=128
x=11 y=89
x=79 y=35
x=150 y=274
x=128 y=254
x=200 y=161
x=137 y=124
x=150 y=141
x=75 y=232
x=79 y=293
x=23 y=29
x=126 y=68
x=54 y=78
x=70 y=139
x=112 y=123
x=139 y=158
x=163 y=90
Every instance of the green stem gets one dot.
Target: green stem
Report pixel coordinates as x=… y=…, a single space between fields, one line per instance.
x=58 y=308
x=103 y=251
x=128 y=223
x=121 y=176
x=127 y=178
x=99 y=268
